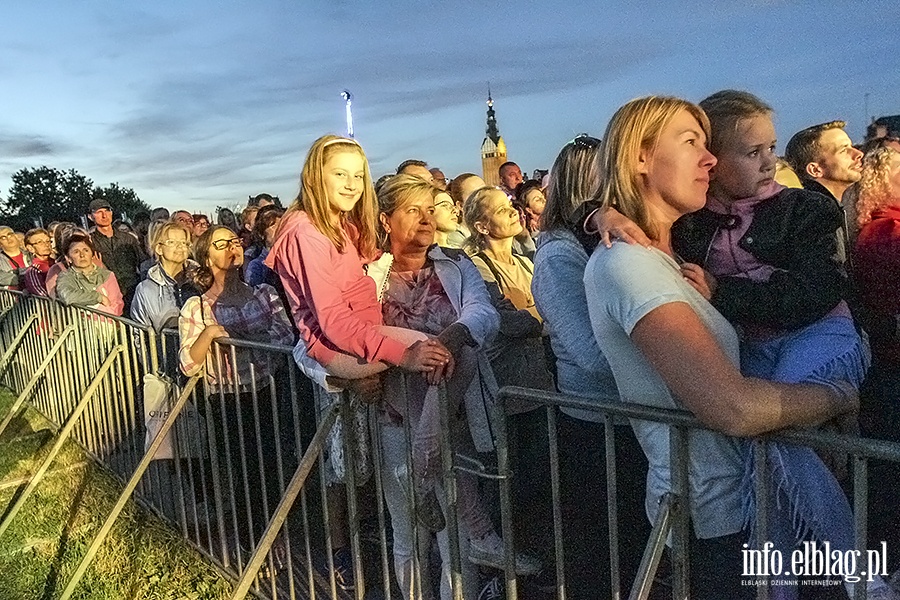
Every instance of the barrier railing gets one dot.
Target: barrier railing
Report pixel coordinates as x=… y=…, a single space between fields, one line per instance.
x=673 y=518
x=231 y=458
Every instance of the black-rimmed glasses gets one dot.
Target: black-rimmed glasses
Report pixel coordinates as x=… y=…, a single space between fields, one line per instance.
x=224 y=244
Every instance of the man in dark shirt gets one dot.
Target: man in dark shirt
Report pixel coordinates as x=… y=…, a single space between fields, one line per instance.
x=120 y=251
x=826 y=162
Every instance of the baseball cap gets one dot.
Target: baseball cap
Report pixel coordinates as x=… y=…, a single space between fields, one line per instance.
x=98 y=203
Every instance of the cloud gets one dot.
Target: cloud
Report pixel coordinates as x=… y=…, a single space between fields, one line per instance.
x=28 y=146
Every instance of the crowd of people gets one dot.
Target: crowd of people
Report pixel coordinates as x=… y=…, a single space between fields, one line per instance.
x=676 y=262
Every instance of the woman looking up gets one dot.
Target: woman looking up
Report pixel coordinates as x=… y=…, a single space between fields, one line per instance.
x=228 y=307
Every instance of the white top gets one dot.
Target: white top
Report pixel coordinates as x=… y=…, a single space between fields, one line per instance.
x=623 y=284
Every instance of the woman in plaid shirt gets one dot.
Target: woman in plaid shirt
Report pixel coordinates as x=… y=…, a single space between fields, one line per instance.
x=228 y=307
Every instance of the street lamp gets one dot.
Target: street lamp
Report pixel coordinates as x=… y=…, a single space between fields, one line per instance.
x=347 y=96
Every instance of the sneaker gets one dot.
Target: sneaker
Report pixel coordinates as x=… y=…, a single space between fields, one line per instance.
x=490 y=551
x=428 y=509
x=493 y=589
x=343 y=569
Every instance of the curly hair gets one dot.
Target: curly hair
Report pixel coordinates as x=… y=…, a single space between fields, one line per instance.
x=874 y=187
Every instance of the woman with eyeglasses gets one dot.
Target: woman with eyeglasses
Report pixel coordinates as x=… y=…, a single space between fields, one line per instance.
x=159 y=298
x=446 y=217
x=228 y=307
x=239 y=380
x=84 y=283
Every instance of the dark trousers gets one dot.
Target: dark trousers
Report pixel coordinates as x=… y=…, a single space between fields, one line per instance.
x=583 y=481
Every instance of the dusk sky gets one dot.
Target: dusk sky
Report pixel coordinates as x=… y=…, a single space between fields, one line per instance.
x=198 y=104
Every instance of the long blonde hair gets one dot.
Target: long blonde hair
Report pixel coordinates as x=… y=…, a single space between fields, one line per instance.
x=313 y=200
x=634 y=127
x=874 y=186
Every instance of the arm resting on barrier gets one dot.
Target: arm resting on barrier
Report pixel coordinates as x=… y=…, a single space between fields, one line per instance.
x=700 y=375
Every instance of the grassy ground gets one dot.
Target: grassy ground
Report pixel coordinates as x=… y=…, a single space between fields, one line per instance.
x=141 y=559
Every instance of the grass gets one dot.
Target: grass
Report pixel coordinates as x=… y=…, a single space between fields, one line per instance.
x=142 y=558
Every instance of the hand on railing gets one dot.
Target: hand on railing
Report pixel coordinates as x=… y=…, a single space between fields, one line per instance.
x=425 y=356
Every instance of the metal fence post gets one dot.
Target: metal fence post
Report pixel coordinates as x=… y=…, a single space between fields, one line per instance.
x=456 y=582
x=679 y=455
x=35 y=378
x=61 y=439
x=129 y=488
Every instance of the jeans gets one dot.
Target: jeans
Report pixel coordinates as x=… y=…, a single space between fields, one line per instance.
x=411 y=569
x=805 y=500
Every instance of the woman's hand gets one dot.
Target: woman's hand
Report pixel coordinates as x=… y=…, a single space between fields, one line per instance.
x=700 y=279
x=214 y=332
x=441 y=373
x=609 y=223
x=425 y=356
x=104 y=299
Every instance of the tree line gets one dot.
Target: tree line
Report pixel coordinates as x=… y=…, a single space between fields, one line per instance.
x=52 y=194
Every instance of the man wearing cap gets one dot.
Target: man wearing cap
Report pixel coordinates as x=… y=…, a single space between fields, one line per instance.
x=120 y=251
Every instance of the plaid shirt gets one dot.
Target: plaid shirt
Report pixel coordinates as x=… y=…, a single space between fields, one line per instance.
x=262 y=320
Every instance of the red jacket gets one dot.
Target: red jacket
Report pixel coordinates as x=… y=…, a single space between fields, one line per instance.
x=877 y=265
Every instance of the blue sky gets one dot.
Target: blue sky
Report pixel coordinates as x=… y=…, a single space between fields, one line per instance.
x=198 y=104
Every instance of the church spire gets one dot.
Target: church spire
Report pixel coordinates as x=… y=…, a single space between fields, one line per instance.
x=492 y=131
x=493 y=148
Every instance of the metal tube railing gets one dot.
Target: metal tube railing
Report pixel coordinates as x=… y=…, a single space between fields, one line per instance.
x=228 y=492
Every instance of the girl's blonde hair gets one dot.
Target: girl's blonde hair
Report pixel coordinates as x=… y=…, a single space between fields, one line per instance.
x=875 y=186
x=475 y=209
x=636 y=126
x=312 y=198
x=394 y=194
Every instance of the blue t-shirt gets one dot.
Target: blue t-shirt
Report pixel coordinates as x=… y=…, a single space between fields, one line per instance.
x=623 y=284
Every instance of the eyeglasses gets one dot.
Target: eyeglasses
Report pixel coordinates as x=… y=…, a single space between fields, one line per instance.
x=445 y=204
x=39 y=242
x=176 y=244
x=584 y=140
x=224 y=244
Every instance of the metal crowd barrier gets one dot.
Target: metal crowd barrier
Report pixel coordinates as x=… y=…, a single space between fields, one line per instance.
x=672 y=523
x=241 y=450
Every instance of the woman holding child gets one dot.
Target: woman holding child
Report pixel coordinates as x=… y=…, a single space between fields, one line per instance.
x=668 y=346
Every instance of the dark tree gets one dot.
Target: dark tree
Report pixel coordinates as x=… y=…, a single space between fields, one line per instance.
x=55 y=195
x=122 y=199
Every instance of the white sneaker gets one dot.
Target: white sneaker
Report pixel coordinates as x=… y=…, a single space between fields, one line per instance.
x=490 y=551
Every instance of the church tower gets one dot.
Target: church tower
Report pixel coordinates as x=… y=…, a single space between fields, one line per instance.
x=493 y=148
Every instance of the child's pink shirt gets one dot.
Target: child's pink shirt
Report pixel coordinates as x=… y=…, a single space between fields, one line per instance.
x=333 y=302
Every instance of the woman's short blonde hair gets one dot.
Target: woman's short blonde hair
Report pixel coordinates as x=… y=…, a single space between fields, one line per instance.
x=636 y=126
x=395 y=193
x=159 y=232
x=874 y=185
